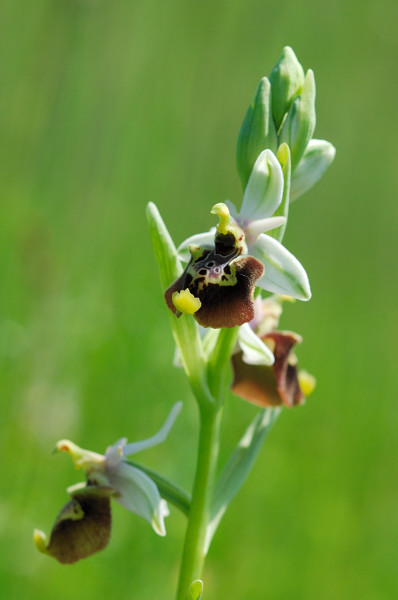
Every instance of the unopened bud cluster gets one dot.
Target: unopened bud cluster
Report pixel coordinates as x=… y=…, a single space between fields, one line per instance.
x=283 y=110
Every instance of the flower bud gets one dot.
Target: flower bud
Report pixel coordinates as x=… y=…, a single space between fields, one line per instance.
x=195 y=590
x=299 y=125
x=257 y=132
x=317 y=157
x=287 y=79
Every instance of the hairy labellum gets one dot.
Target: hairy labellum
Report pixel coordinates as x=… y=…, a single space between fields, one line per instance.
x=223 y=281
x=274 y=385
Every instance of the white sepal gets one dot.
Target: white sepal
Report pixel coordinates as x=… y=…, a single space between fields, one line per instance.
x=263 y=193
x=283 y=273
x=138 y=493
x=255 y=352
x=254 y=228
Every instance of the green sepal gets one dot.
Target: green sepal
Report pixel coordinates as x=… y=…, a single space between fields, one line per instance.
x=257 y=132
x=195 y=590
x=238 y=467
x=299 y=125
x=283 y=156
x=287 y=79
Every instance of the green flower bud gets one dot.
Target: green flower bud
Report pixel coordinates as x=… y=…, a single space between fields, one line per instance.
x=299 y=124
x=257 y=132
x=287 y=79
x=317 y=157
x=195 y=590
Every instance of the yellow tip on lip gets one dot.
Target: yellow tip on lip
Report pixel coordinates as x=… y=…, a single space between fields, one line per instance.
x=40 y=540
x=185 y=302
x=307 y=382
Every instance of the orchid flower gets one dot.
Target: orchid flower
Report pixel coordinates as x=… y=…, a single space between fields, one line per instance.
x=83 y=525
x=277 y=383
x=225 y=264
x=283 y=273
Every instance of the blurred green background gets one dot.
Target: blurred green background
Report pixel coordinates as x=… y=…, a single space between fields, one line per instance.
x=104 y=107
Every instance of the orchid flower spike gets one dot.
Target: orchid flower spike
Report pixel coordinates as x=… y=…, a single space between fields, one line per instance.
x=83 y=526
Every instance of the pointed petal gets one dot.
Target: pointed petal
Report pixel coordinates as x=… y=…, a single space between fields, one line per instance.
x=255 y=352
x=254 y=228
x=283 y=272
x=156 y=439
x=138 y=493
x=199 y=239
x=264 y=190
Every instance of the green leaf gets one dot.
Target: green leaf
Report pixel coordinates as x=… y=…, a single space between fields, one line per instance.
x=238 y=467
x=195 y=590
x=257 y=132
x=165 y=251
x=184 y=328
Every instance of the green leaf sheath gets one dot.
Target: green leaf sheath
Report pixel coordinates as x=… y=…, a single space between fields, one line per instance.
x=238 y=467
x=195 y=590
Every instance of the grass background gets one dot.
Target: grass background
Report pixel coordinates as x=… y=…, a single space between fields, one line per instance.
x=104 y=107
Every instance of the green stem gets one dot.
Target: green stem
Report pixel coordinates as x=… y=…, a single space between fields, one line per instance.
x=210 y=408
x=219 y=361
x=194 y=552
